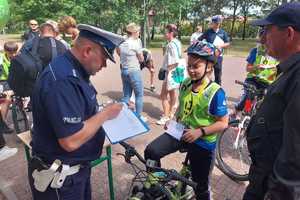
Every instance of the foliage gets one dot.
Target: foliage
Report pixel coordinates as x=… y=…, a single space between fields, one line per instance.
x=115 y=14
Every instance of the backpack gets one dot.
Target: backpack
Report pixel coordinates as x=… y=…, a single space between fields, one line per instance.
x=25 y=68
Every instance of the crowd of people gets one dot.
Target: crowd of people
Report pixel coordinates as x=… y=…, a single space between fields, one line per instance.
x=67 y=121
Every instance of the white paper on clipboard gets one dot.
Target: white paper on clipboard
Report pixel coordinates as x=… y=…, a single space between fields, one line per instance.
x=124 y=126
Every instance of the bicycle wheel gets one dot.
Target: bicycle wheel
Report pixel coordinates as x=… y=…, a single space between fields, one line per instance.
x=232 y=154
x=20 y=119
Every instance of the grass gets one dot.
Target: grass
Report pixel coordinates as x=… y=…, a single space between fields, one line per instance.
x=11 y=37
x=238 y=46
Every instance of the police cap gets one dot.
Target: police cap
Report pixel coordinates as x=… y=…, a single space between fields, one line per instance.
x=108 y=40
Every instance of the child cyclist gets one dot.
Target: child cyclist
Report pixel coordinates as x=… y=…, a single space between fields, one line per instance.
x=203 y=111
x=261 y=70
x=10 y=51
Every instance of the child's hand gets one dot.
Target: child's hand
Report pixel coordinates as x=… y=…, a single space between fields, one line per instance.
x=191 y=135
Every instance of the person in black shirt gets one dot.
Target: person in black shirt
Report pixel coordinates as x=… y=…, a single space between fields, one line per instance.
x=45 y=48
x=48 y=32
x=273 y=134
x=32 y=32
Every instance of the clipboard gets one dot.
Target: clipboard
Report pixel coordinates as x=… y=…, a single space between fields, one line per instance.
x=126 y=125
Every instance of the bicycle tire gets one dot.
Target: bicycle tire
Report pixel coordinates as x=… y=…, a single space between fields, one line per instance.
x=228 y=157
x=20 y=119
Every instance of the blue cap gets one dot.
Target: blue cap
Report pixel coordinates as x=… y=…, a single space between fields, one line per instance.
x=216 y=19
x=108 y=40
x=285 y=15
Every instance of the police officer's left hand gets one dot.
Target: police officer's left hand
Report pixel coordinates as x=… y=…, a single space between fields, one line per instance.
x=112 y=110
x=191 y=135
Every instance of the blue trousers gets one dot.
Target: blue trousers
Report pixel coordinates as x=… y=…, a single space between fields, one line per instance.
x=132 y=81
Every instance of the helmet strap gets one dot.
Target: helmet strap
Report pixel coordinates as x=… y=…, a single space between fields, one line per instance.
x=195 y=82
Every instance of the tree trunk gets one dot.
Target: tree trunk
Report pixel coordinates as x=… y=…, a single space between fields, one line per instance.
x=232 y=25
x=244 y=28
x=153 y=32
x=235 y=6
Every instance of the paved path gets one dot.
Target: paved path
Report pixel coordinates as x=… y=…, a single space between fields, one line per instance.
x=108 y=83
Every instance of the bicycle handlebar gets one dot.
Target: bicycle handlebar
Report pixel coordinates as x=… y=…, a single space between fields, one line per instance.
x=171 y=174
x=130 y=152
x=246 y=85
x=251 y=88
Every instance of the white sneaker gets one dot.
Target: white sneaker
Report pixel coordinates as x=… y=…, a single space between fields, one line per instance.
x=162 y=120
x=6 y=152
x=144 y=119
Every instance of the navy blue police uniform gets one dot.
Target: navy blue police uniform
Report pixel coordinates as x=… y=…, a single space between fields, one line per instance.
x=211 y=36
x=63 y=99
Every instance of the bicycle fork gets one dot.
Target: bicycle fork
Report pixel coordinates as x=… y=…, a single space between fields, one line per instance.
x=240 y=127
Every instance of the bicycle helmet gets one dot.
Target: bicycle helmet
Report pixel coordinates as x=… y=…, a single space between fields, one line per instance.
x=204 y=50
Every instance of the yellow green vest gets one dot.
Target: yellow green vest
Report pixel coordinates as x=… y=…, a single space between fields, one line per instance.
x=264 y=67
x=194 y=108
x=5 y=65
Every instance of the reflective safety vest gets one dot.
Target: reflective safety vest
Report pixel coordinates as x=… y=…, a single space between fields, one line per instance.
x=264 y=67
x=5 y=65
x=194 y=109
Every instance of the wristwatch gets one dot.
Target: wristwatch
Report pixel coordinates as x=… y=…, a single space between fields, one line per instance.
x=203 y=132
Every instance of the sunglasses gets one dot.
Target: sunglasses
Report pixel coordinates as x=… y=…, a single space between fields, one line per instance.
x=33 y=24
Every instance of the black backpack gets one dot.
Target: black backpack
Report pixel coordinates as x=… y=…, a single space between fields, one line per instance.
x=25 y=67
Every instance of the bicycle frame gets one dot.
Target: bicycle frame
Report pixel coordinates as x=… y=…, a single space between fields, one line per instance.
x=162 y=179
x=241 y=126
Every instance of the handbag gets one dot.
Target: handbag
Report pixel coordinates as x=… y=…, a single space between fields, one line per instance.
x=162 y=74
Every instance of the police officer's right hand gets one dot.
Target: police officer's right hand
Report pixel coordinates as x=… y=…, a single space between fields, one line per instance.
x=112 y=110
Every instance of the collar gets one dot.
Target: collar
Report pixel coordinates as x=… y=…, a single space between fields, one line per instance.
x=77 y=66
x=216 y=31
x=289 y=63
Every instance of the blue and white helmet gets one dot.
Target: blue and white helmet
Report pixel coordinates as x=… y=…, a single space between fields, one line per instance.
x=204 y=50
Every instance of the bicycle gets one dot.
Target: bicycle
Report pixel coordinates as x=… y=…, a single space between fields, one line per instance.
x=157 y=183
x=19 y=114
x=232 y=151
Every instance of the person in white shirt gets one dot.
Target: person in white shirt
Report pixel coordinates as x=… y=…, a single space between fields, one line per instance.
x=171 y=59
x=196 y=35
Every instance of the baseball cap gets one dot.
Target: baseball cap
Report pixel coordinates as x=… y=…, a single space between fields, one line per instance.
x=216 y=19
x=108 y=40
x=285 y=15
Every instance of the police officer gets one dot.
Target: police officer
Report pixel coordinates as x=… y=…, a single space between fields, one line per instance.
x=273 y=134
x=219 y=37
x=67 y=131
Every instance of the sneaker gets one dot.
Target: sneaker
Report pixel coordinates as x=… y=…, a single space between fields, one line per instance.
x=6 y=152
x=152 y=88
x=162 y=120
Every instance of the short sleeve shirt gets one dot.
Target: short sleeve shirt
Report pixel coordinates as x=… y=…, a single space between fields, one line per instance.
x=172 y=53
x=194 y=37
x=218 y=105
x=63 y=99
x=252 y=56
x=215 y=38
x=128 y=53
